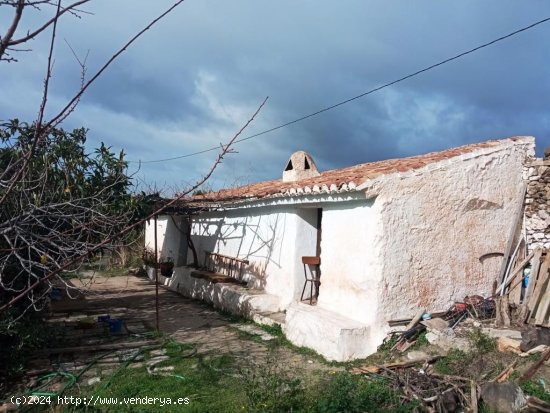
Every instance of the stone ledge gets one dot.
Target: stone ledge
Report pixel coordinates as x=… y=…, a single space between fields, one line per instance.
x=230 y=297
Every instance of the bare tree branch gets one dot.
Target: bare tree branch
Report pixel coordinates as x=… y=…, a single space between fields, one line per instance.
x=88 y=249
x=8 y=41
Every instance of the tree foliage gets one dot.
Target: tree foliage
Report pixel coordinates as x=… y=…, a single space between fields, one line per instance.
x=66 y=202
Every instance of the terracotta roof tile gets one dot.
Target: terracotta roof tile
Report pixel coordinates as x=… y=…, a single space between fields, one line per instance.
x=356 y=174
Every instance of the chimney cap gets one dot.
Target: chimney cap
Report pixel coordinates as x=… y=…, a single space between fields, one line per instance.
x=300 y=166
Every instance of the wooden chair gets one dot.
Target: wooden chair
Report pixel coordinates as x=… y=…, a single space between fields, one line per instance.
x=313 y=278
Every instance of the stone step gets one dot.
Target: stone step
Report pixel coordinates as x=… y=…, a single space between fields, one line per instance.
x=332 y=335
x=269 y=319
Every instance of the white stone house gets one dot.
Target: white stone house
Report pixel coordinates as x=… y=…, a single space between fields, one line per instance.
x=392 y=236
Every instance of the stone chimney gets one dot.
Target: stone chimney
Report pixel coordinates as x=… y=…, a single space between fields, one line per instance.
x=300 y=166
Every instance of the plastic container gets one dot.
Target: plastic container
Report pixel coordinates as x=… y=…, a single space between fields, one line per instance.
x=56 y=294
x=115 y=325
x=103 y=318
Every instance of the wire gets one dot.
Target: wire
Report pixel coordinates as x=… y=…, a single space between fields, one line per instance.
x=343 y=102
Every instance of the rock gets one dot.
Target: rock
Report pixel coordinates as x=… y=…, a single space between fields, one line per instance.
x=532 y=337
x=255 y=330
x=502 y=332
x=447 y=340
x=505 y=344
x=504 y=397
x=538 y=349
x=437 y=324
x=8 y=407
x=414 y=355
x=93 y=381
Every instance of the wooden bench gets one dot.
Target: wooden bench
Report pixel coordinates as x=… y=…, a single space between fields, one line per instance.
x=219 y=268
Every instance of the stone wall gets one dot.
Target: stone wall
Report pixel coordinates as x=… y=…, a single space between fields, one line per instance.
x=537 y=204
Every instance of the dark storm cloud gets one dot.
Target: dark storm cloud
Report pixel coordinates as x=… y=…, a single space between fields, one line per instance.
x=194 y=79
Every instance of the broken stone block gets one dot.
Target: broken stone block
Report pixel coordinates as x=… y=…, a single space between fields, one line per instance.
x=504 y=397
x=93 y=381
x=505 y=344
x=437 y=324
x=447 y=340
x=415 y=355
x=538 y=349
x=502 y=332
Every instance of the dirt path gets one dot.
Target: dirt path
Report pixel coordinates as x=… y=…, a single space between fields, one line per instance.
x=188 y=321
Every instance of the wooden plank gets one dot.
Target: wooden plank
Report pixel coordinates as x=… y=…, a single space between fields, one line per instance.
x=517 y=219
x=543 y=308
x=392 y=366
x=473 y=397
x=535 y=267
x=416 y=319
x=514 y=295
x=533 y=369
x=503 y=311
x=511 y=264
x=516 y=271
x=541 y=286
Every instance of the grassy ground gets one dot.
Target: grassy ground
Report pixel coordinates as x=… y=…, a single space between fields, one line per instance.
x=234 y=371
x=223 y=383
x=220 y=383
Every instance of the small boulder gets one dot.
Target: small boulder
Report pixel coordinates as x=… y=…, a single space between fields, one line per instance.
x=532 y=337
x=504 y=397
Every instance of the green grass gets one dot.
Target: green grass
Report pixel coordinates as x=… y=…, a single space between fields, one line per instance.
x=536 y=389
x=281 y=340
x=449 y=364
x=481 y=342
x=222 y=383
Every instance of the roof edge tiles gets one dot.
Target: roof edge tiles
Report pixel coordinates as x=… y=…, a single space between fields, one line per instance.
x=356 y=178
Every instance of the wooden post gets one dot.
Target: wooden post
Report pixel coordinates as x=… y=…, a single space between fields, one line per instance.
x=513 y=230
x=156 y=279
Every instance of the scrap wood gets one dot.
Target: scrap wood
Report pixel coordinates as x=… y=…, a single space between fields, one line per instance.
x=520 y=314
x=502 y=311
x=416 y=319
x=436 y=392
x=392 y=366
x=533 y=369
x=535 y=266
x=510 y=277
x=408 y=337
x=101 y=347
x=538 y=404
x=506 y=373
x=474 y=395
x=541 y=286
x=515 y=294
x=542 y=310
x=404 y=321
x=516 y=225
x=408 y=389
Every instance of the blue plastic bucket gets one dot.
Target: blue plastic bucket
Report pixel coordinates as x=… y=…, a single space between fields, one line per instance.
x=115 y=325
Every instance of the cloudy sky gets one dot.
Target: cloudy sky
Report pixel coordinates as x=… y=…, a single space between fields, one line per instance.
x=196 y=77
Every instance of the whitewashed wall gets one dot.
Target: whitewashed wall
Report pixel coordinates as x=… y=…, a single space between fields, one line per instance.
x=437 y=223
x=171 y=239
x=273 y=239
x=350 y=259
